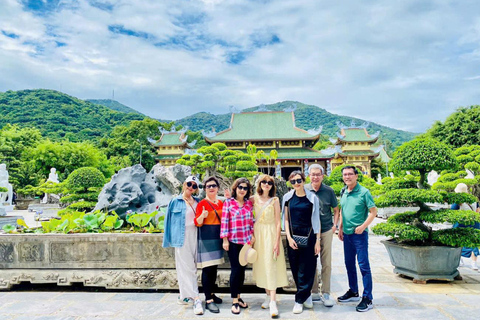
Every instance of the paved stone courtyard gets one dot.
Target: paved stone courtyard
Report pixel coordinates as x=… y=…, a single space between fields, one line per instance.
x=394 y=298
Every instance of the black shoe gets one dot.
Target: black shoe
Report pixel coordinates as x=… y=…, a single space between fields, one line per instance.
x=365 y=305
x=216 y=299
x=212 y=307
x=349 y=296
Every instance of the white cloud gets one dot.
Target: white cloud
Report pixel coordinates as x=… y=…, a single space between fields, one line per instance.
x=402 y=64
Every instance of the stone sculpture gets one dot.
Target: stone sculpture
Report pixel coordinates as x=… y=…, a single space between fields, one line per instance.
x=5 y=196
x=134 y=189
x=391 y=175
x=53 y=177
x=379 y=179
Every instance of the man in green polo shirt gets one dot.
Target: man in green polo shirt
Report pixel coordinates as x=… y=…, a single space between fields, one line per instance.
x=328 y=201
x=358 y=211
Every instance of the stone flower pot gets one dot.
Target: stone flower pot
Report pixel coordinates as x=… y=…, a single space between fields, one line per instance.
x=424 y=263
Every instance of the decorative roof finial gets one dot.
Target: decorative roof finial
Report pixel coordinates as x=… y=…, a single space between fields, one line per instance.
x=316 y=131
x=233 y=109
x=292 y=108
x=209 y=134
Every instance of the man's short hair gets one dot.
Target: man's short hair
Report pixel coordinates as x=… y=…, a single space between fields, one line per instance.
x=316 y=166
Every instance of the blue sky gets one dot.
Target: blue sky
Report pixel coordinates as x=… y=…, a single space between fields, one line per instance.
x=403 y=64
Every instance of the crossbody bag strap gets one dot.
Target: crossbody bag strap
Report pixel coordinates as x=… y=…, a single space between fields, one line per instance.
x=219 y=219
x=265 y=205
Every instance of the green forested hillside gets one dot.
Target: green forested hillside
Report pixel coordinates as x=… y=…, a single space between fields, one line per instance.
x=60 y=116
x=306 y=117
x=114 y=105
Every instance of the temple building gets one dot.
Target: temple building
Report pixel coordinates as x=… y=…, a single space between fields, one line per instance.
x=171 y=146
x=355 y=146
x=273 y=130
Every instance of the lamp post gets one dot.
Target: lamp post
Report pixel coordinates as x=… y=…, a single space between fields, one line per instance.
x=386 y=162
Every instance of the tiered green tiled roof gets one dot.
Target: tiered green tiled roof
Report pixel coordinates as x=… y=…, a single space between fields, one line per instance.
x=259 y=126
x=170 y=139
x=167 y=156
x=358 y=153
x=299 y=153
x=356 y=135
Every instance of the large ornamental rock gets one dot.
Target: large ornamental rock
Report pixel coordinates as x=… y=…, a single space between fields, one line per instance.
x=136 y=190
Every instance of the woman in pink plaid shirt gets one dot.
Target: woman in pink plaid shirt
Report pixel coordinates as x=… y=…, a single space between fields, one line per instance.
x=236 y=230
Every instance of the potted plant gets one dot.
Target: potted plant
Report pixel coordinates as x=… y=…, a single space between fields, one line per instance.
x=417 y=248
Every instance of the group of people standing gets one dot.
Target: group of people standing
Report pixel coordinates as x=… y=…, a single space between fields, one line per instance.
x=248 y=227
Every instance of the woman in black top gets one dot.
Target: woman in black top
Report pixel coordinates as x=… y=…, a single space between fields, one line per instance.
x=302 y=218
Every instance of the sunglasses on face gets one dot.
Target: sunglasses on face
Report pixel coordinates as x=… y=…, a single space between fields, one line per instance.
x=295 y=181
x=242 y=188
x=192 y=185
x=270 y=183
x=211 y=186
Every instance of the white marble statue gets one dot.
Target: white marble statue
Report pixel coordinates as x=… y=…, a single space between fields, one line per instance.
x=408 y=173
x=53 y=177
x=5 y=196
x=391 y=175
x=379 y=179
x=432 y=177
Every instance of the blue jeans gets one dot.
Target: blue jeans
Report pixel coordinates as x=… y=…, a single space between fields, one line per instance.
x=356 y=246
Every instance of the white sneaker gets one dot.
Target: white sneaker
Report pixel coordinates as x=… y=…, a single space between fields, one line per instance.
x=185 y=301
x=274 y=309
x=327 y=302
x=297 y=308
x=197 y=307
x=474 y=265
x=316 y=297
x=266 y=303
x=308 y=303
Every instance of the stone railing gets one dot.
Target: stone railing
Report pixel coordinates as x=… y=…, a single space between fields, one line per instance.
x=110 y=260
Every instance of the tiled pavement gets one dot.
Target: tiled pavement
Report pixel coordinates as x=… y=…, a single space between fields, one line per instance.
x=394 y=298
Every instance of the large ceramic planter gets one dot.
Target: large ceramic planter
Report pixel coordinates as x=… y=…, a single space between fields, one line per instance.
x=110 y=260
x=424 y=263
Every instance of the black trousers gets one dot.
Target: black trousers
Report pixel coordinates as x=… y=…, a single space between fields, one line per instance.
x=303 y=264
x=237 y=274
x=209 y=277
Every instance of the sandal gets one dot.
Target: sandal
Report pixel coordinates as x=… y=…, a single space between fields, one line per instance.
x=216 y=299
x=244 y=306
x=235 y=306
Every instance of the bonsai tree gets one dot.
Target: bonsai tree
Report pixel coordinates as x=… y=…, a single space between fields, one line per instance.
x=81 y=189
x=424 y=155
x=217 y=159
x=468 y=158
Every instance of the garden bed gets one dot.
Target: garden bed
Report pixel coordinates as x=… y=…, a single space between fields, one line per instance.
x=109 y=260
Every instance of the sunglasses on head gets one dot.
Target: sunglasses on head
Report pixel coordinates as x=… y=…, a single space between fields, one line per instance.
x=294 y=181
x=270 y=183
x=192 y=185
x=243 y=188
x=211 y=186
